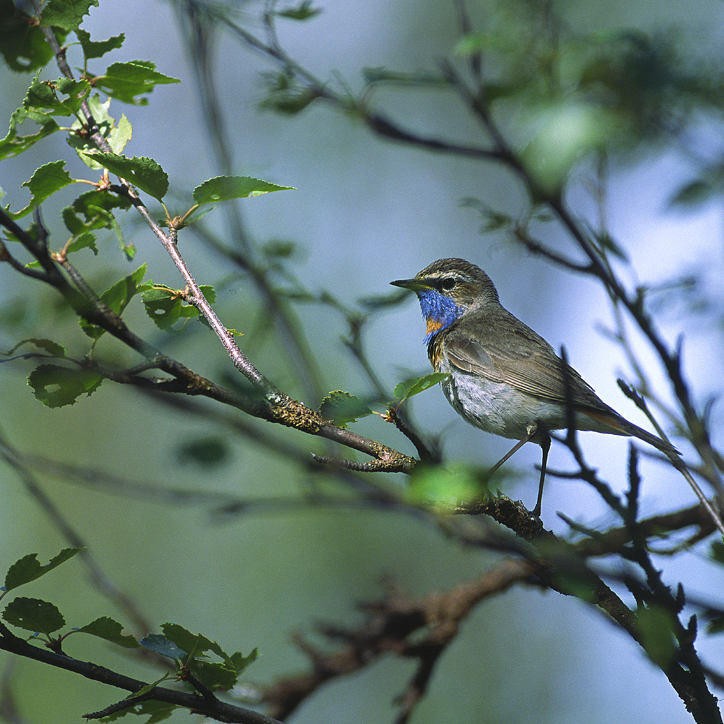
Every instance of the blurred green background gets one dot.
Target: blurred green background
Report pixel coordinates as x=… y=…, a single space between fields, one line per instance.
x=365 y=212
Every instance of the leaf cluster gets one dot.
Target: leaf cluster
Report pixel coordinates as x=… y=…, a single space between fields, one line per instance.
x=43 y=618
x=189 y=652
x=80 y=109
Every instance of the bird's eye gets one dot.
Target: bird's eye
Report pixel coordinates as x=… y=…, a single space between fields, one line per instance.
x=447 y=283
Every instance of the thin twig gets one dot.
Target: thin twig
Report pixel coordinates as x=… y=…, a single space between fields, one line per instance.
x=98 y=576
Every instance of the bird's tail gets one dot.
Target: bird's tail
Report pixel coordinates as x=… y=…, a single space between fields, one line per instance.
x=617 y=425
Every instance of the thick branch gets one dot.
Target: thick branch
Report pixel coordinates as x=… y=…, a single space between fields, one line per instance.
x=273 y=407
x=391 y=627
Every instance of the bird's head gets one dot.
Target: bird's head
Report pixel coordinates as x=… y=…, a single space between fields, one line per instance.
x=446 y=289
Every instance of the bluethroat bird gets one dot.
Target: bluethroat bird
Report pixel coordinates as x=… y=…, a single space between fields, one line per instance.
x=503 y=377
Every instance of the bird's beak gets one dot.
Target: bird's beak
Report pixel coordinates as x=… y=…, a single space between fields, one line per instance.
x=416 y=285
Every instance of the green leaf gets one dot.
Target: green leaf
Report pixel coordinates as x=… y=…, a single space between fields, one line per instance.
x=716 y=552
x=34 y=615
x=117 y=298
x=28 y=569
x=188 y=310
x=22 y=43
x=110 y=630
x=52 y=348
x=148 y=688
x=206 y=452
x=343 y=408
x=715 y=625
x=162 y=305
x=165 y=306
x=83 y=237
x=97 y=49
x=42 y=96
x=214 y=675
x=74 y=223
x=491 y=219
x=241 y=662
x=126 y=81
x=484 y=41
x=179 y=643
x=197 y=215
x=195 y=645
x=46 y=180
x=567 y=133
x=120 y=134
x=86 y=240
x=46 y=96
x=156 y=711
x=66 y=14
x=609 y=244
x=694 y=193
x=655 y=628
x=279 y=249
x=57 y=386
x=14 y=144
x=303 y=11
x=452 y=485
x=161 y=645
x=285 y=96
x=75 y=90
x=224 y=188
x=416 y=385
x=575 y=582
x=117 y=134
x=96 y=206
x=145 y=173
x=382 y=74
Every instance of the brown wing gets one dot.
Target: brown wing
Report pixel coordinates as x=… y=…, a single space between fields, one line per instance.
x=503 y=349
x=516 y=355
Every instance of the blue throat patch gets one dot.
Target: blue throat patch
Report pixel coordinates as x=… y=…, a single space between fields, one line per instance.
x=438 y=310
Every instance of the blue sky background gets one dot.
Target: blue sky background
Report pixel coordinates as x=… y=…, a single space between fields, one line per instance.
x=365 y=212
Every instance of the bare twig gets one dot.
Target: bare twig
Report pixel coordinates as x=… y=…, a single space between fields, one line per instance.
x=390 y=627
x=199 y=44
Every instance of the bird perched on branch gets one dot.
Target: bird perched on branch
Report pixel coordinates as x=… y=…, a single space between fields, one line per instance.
x=503 y=377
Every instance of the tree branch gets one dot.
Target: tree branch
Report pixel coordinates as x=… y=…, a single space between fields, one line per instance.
x=216 y=709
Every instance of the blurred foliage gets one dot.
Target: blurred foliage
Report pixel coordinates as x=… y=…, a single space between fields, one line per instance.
x=554 y=103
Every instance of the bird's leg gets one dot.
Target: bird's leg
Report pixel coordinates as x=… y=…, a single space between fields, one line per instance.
x=545 y=444
x=532 y=430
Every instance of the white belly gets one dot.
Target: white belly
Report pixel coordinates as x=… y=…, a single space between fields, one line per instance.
x=502 y=410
